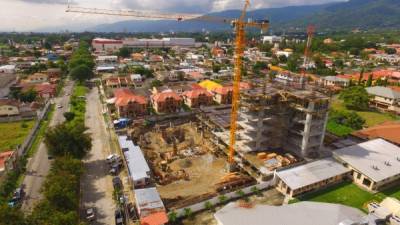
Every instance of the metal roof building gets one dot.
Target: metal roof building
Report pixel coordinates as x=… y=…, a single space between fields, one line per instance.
x=302 y=213
x=138 y=168
x=150 y=207
x=310 y=176
x=375 y=163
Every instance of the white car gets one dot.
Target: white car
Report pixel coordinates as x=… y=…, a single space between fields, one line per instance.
x=59 y=106
x=113 y=158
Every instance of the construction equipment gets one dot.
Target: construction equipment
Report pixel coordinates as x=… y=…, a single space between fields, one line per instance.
x=239 y=26
x=307 y=50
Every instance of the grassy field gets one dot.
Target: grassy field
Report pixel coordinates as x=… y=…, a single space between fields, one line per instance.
x=371 y=118
x=348 y=194
x=14 y=134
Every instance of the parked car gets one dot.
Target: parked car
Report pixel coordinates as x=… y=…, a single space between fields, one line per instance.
x=119 y=217
x=59 y=106
x=17 y=197
x=113 y=158
x=90 y=214
x=117 y=183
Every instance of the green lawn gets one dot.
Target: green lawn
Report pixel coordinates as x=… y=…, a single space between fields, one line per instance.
x=14 y=134
x=348 y=194
x=338 y=129
x=80 y=90
x=371 y=118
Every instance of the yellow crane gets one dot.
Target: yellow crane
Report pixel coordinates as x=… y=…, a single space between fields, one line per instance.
x=239 y=26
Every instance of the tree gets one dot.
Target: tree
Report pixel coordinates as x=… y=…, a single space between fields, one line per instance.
x=156 y=83
x=124 y=52
x=283 y=59
x=293 y=63
x=68 y=140
x=11 y=216
x=81 y=73
x=369 y=81
x=390 y=51
x=181 y=75
x=360 y=78
x=355 y=98
x=69 y=116
x=28 y=96
x=216 y=68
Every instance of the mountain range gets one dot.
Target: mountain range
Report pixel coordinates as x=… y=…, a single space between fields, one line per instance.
x=362 y=14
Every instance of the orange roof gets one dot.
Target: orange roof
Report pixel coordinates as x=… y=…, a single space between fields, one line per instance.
x=196 y=93
x=223 y=90
x=157 y=218
x=161 y=97
x=125 y=96
x=375 y=74
x=3 y=158
x=388 y=130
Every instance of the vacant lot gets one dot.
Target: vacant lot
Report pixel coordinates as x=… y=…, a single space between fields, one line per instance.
x=14 y=133
x=349 y=194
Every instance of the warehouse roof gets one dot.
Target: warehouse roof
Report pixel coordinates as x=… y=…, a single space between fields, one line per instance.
x=137 y=164
x=311 y=173
x=377 y=159
x=302 y=213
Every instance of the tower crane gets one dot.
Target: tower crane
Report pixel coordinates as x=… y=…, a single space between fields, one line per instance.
x=239 y=25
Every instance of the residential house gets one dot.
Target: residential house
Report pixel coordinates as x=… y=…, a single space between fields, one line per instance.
x=44 y=91
x=384 y=98
x=137 y=57
x=166 y=102
x=223 y=95
x=36 y=78
x=128 y=104
x=137 y=80
x=333 y=81
x=106 y=45
x=197 y=97
x=9 y=107
x=151 y=210
x=118 y=82
x=54 y=74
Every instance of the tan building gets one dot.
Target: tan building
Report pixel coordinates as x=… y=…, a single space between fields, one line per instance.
x=166 y=102
x=198 y=97
x=309 y=177
x=128 y=104
x=375 y=164
x=384 y=98
x=9 y=107
x=223 y=95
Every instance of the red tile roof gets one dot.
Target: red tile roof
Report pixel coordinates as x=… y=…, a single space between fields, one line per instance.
x=161 y=97
x=388 y=130
x=157 y=218
x=375 y=75
x=223 y=90
x=125 y=96
x=196 y=93
x=4 y=157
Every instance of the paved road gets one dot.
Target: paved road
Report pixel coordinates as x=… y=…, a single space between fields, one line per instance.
x=96 y=184
x=38 y=167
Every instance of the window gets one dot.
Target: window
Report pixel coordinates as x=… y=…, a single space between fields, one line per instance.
x=358 y=175
x=366 y=182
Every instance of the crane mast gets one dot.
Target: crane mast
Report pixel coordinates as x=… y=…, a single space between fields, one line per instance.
x=240 y=41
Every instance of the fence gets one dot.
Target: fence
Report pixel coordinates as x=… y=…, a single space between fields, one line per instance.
x=21 y=150
x=216 y=200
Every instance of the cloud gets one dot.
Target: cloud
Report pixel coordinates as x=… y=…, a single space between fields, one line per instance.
x=204 y=6
x=53 y=2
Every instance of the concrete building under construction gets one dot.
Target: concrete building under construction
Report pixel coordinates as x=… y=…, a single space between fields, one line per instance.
x=278 y=116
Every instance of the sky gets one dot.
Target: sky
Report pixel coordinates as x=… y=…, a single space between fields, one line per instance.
x=33 y=15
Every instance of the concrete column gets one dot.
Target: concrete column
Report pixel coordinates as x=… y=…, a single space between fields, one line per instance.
x=307 y=129
x=324 y=129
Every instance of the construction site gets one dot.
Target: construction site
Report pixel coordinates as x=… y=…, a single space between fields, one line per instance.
x=279 y=126
x=187 y=167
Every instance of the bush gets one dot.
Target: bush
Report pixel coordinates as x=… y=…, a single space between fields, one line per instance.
x=208 y=205
x=222 y=198
x=348 y=119
x=187 y=212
